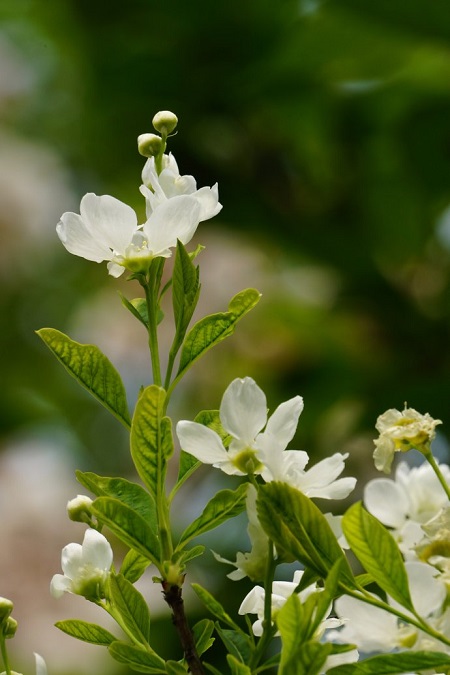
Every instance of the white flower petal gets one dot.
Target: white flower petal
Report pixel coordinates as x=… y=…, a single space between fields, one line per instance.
x=41 y=666
x=110 y=221
x=208 y=198
x=243 y=410
x=385 y=500
x=79 y=241
x=253 y=603
x=283 y=422
x=428 y=593
x=59 y=585
x=71 y=560
x=382 y=634
x=97 y=550
x=177 y=218
x=201 y=442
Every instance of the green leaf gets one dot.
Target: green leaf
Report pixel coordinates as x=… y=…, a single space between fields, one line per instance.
x=128 y=526
x=139 y=659
x=90 y=367
x=237 y=667
x=215 y=607
x=297 y=527
x=131 y=606
x=134 y=565
x=183 y=557
x=175 y=668
x=389 y=664
x=186 y=290
x=88 y=632
x=378 y=552
x=151 y=439
x=236 y=643
x=224 y=505
x=304 y=659
x=127 y=492
x=138 y=308
x=202 y=632
x=212 y=329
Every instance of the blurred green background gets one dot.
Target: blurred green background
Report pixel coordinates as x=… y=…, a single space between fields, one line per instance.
x=327 y=127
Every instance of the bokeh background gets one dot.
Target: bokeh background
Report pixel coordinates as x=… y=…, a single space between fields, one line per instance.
x=327 y=127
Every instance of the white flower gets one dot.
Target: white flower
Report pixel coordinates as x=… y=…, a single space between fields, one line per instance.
x=107 y=229
x=169 y=184
x=253 y=564
x=373 y=629
x=401 y=431
x=243 y=414
x=408 y=502
x=86 y=567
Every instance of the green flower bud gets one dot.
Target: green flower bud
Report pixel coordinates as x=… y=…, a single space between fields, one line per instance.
x=79 y=509
x=149 y=145
x=9 y=627
x=165 y=122
x=6 y=607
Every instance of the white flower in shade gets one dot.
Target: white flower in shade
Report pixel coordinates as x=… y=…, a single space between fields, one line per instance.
x=252 y=564
x=107 y=230
x=408 y=502
x=157 y=189
x=86 y=567
x=373 y=629
x=401 y=431
x=243 y=414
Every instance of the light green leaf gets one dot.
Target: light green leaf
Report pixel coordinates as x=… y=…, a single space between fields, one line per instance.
x=304 y=659
x=378 y=552
x=185 y=294
x=128 y=526
x=137 y=307
x=127 y=492
x=151 y=439
x=133 y=566
x=215 y=607
x=390 y=664
x=87 y=632
x=298 y=528
x=131 y=606
x=175 y=668
x=224 y=505
x=236 y=643
x=90 y=367
x=212 y=329
x=212 y=670
x=202 y=632
x=141 y=660
x=183 y=557
x=237 y=667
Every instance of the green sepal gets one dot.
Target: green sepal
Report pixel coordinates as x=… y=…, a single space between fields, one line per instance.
x=127 y=492
x=378 y=552
x=151 y=439
x=202 y=632
x=224 y=504
x=215 y=607
x=214 y=328
x=138 y=308
x=92 y=369
x=390 y=664
x=144 y=661
x=128 y=526
x=236 y=643
x=131 y=606
x=133 y=566
x=85 y=631
x=300 y=531
x=237 y=667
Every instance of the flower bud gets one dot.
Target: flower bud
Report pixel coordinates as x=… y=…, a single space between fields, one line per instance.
x=165 y=122
x=149 y=145
x=9 y=627
x=79 y=509
x=6 y=607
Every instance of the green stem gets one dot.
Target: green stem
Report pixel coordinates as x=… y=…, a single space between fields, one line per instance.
x=268 y=628
x=435 y=466
x=5 y=655
x=152 y=307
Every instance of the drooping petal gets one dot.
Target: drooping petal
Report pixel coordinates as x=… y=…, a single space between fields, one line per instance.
x=201 y=442
x=208 y=198
x=71 y=560
x=41 y=666
x=59 y=585
x=177 y=218
x=243 y=410
x=73 y=233
x=97 y=550
x=109 y=221
x=385 y=500
x=253 y=603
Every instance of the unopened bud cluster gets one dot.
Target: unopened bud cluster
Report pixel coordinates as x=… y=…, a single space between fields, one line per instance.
x=151 y=145
x=8 y=625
